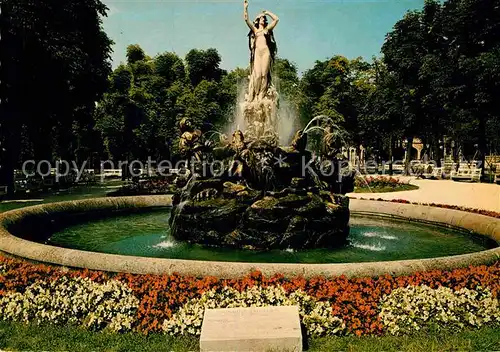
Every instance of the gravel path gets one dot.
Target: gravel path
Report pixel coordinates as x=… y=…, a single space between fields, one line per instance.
x=472 y=195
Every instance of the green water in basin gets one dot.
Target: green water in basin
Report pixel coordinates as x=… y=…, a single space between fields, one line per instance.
x=370 y=239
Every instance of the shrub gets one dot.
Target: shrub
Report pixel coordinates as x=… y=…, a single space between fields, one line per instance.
x=73 y=300
x=145 y=188
x=379 y=182
x=410 y=309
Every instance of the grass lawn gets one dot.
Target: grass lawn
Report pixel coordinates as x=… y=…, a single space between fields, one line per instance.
x=20 y=337
x=74 y=193
x=398 y=188
x=30 y=337
x=485 y=339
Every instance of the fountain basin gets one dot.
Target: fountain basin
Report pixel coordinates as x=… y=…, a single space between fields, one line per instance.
x=53 y=213
x=371 y=239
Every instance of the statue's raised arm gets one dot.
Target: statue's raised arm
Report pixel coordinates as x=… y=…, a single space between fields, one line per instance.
x=274 y=18
x=245 y=16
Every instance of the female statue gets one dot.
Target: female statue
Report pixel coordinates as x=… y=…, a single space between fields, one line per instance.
x=262 y=52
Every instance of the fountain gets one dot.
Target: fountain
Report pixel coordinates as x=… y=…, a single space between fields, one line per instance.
x=262 y=195
x=250 y=200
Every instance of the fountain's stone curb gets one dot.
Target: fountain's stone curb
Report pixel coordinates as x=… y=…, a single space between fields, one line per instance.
x=487 y=226
x=480 y=224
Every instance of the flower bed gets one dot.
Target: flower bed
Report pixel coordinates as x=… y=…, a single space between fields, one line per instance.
x=485 y=212
x=414 y=308
x=73 y=300
x=364 y=184
x=175 y=304
x=316 y=315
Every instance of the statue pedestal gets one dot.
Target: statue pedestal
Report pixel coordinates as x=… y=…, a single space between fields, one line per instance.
x=261 y=117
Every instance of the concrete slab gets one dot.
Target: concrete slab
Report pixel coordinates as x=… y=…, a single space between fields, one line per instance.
x=251 y=329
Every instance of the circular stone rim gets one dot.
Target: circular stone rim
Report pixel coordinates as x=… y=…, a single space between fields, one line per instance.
x=480 y=224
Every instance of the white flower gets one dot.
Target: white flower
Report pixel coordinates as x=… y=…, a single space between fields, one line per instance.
x=70 y=300
x=316 y=316
x=410 y=309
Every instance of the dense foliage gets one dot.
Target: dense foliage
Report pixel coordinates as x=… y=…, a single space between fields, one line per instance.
x=443 y=65
x=138 y=117
x=55 y=65
x=381 y=184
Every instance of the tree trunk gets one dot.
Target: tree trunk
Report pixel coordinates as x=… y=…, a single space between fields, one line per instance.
x=436 y=151
x=409 y=144
x=10 y=155
x=9 y=133
x=391 y=147
x=482 y=145
x=7 y=174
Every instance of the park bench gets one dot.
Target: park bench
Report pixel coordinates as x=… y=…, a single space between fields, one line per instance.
x=467 y=172
x=34 y=184
x=397 y=168
x=48 y=182
x=431 y=171
x=174 y=171
x=437 y=173
x=496 y=170
x=112 y=173
x=427 y=170
x=448 y=168
x=20 y=181
x=87 y=177
x=417 y=167
x=370 y=167
x=3 y=191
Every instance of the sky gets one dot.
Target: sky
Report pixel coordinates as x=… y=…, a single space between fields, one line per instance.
x=308 y=30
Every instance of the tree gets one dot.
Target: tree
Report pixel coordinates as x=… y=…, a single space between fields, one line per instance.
x=139 y=115
x=379 y=122
x=286 y=80
x=472 y=32
x=445 y=58
x=403 y=52
x=337 y=88
x=170 y=67
x=203 y=65
x=56 y=65
x=135 y=53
